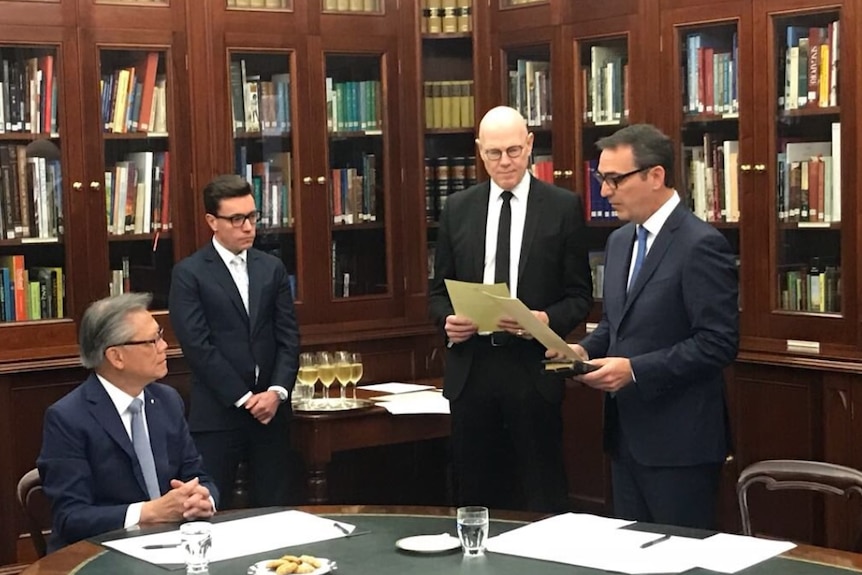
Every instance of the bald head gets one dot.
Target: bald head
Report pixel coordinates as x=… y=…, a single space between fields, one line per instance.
x=503 y=118
x=505 y=146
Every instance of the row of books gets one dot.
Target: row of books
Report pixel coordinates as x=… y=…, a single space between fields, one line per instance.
x=352 y=5
x=28 y=95
x=444 y=176
x=530 y=90
x=710 y=183
x=134 y=99
x=30 y=293
x=31 y=204
x=273 y=4
x=354 y=106
x=449 y=104
x=811 y=288
x=259 y=105
x=810 y=67
x=710 y=74
x=120 y=282
x=542 y=167
x=596 y=208
x=137 y=194
x=809 y=180
x=272 y=185
x=446 y=17
x=354 y=193
x=605 y=85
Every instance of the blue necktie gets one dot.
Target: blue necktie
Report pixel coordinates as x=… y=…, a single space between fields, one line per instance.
x=641 y=254
x=141 y=443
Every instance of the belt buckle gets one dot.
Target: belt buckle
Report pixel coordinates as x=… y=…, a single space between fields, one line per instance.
x=503 y=340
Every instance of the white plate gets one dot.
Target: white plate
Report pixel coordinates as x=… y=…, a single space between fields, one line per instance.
x=429 y=543
x=259 y=568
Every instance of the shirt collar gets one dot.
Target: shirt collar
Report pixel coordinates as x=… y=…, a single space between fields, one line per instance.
x=119 y=398
x=655 y=222
x=226 y=255
x=519 y=191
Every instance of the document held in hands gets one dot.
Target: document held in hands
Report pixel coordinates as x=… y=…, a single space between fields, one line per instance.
x=471 y=300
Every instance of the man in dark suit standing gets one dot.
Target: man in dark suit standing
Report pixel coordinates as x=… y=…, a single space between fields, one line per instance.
x=506 y=421
x=232 y=311
x=116 y=451
x=670 y=325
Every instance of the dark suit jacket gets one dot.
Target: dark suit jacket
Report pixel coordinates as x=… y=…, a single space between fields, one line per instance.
x=679 y=327
x=553 y=270
x=223 y=343
x=89 y=468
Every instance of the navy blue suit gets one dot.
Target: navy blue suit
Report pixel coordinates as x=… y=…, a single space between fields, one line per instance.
x=223 y=343
x=678 y=325
x=89 y=468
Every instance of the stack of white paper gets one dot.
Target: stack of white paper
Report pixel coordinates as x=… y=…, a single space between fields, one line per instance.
x=413 y=403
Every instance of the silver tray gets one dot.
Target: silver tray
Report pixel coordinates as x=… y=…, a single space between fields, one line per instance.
x=320 y=405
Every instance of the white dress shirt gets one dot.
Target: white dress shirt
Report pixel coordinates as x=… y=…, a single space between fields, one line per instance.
x=519 y=216
x=653 y=226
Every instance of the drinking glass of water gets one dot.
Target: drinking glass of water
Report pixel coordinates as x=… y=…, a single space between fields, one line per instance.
x=197 y=540
x=473 y=529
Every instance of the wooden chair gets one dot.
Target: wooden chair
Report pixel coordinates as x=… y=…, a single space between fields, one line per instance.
x=36 y=507
x=780 y=474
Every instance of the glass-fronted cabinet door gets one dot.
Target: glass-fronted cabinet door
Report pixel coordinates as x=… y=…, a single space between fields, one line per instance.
x=263 y=108
x=38 y=144
x=812 y=220
x=712 y=126
x=137 y=156
x=354 y=186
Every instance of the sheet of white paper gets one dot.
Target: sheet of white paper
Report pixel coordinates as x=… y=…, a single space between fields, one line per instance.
x=516 y=309
x=395 y=387
x=470 y=300
x=727 y=553
x=590 y=541
x=413 y=403
x=231 y=538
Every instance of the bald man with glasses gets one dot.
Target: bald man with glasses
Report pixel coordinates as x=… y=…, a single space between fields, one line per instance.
x=515 y=229
x=116 y=451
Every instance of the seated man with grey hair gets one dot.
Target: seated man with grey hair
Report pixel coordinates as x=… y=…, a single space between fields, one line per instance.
x=116 y=451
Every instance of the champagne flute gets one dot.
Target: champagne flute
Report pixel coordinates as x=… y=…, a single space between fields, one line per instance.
x=325 y=371
x=342 y=372
x=307 y=374
x=355 y=370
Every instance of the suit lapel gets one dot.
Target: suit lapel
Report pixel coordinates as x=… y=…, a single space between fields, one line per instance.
x=104 y=412
x=621 y=269
x=656 y=253
x=218 y=271
x=256 y=278
x=157 y=427
x=479 y=213
x=535 y=201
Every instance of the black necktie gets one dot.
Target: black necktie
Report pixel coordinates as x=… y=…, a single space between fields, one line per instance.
x=504 y=233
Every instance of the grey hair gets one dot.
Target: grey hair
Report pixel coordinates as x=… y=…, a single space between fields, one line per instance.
x=104 y=325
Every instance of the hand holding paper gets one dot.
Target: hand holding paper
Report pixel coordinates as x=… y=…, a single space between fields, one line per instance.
x=516 y=309
x=471 y=300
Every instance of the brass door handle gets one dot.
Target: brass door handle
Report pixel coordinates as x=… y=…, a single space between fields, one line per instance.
x=306 y=180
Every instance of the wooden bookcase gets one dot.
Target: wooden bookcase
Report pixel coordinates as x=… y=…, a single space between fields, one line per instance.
x=794 y=388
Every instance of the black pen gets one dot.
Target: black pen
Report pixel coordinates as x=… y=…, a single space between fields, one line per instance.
x=655 y=541
x=341 y=527
x=161 y=546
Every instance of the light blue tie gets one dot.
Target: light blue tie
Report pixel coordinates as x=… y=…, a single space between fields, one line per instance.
x=141 y=443
x=641 y=254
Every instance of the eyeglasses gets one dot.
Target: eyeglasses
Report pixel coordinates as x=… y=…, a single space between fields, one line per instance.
x=511 y=151
x=614 y=180
x=155 y=341
x=238 y=220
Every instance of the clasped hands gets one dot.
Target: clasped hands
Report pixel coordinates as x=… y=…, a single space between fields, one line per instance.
x=460 y=328
x=263 y=406
x=614 y=373
x=185 y=500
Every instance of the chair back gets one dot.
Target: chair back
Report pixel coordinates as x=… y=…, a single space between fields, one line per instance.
x=36 y=507
x=781 y=474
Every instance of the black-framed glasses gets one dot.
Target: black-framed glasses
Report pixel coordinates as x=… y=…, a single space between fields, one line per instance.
x=511 y=151
x=238 y=220
x=155 y=341
x=614 y=180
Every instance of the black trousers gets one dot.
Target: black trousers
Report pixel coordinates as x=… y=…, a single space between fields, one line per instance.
x=266 y=448
x=684 y=496
x=506 y=437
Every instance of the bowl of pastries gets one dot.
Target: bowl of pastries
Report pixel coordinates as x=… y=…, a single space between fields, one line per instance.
x=291 y=564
